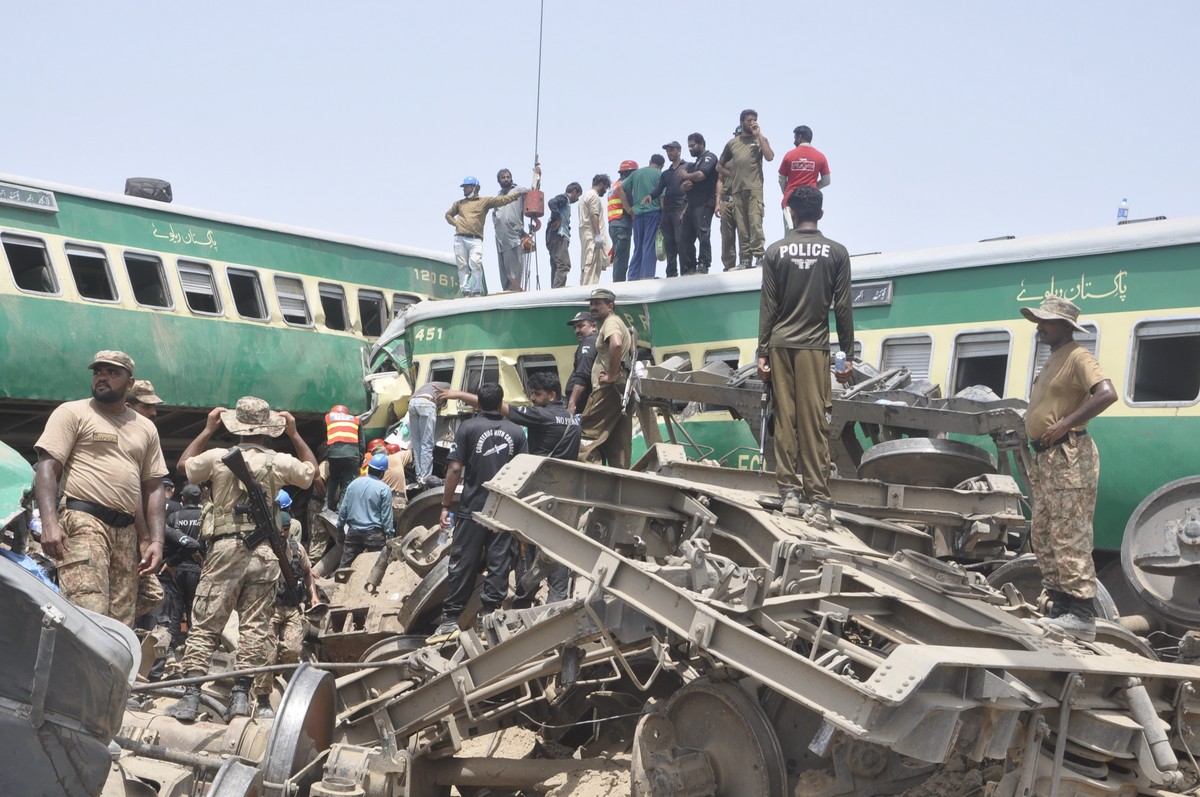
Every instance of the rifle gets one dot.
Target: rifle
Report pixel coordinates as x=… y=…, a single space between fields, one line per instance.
x=259 y=508
x=632 y=370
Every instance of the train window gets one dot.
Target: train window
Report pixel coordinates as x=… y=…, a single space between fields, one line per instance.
x=372 y=311
x=30 y=264
x=727 y=356
x=247 y=294
x=683 y=355
x=441 y=371
x=1041 y=352
x=401 y=302
x=89 y=267
x=199 y=287
x=530 y=364
x=836 y=345
x=912 y=352
x=292 y=301
x=149 y=280
x=333 y=305
x=981 y=358
x=1166 y=362
x=480 y=369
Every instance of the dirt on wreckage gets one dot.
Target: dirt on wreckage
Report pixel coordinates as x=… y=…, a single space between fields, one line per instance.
x=710 y=646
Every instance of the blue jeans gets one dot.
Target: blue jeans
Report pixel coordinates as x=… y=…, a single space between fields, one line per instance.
x=422 y=424
x=643 y=263
x=468 y=252
x=621 y=233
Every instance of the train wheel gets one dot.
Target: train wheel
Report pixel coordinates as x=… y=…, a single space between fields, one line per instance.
x=709 y=738
x=1023 y=574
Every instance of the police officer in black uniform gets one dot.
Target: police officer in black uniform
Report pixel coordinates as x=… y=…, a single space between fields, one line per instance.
x=183 y=554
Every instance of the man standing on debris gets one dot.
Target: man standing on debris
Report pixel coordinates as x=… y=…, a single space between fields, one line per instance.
x=670 y=193
x=607 y=418
x=1068 y=392
x=579 y=385
x=558 y=233
x=646 y=216
x=804 y=165
x=620 y=223
x=467 y=216
x=341 y=441
x=113 y=465
x=741 y=164
x=509 y=222
x=422 y=428
x=700 y=183
x=234 y=576
x=803 y=274
x=595 y=248
x=482 y=446
x=366 y=512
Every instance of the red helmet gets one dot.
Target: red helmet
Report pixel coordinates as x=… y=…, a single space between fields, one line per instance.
x=392 y=448
x=627 y=166
x=339 y=408
x=376 y=443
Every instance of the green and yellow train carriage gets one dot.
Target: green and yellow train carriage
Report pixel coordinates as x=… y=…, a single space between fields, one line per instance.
x=210 y=306
x=951 y=315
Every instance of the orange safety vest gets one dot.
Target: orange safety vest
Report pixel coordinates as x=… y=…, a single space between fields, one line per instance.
x=341 y=427
x=616 y=208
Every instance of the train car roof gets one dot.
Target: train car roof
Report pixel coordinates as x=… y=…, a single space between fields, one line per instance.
x=227 y=218
x=1169 y=232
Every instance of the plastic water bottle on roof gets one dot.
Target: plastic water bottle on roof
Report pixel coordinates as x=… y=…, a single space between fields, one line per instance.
x=1123 y=211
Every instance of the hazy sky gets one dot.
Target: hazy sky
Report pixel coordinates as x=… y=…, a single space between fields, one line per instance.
x=943 y=122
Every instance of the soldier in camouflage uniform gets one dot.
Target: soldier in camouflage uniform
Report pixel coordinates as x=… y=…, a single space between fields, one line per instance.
x=233 y=576
x=287 y=622
x=1068 y=392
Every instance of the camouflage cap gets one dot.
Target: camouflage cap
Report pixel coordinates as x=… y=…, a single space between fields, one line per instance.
x=253 y=416
x=603 y=293
x=117 y=358
x=1055 y=308
x=142 y=390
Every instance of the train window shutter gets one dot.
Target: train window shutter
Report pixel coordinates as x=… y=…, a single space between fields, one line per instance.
x=913 y=353
x=199 y=288
x=293 y=303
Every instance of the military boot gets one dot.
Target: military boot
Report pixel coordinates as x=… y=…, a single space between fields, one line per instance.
x=263 y=710
x=239 y=698
x=187 y=708
x=1079 y=621
x=1060 y=603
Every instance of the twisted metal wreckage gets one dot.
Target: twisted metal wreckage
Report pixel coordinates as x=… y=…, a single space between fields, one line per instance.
x=728 y=649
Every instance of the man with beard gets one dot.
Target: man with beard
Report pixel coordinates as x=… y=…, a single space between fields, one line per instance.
x=670 y=193
x=607 y=423
x=510 y=232
x=467 y=216
x=593 y=235
x=112 y=461
x=700 y=183
x=579 y=384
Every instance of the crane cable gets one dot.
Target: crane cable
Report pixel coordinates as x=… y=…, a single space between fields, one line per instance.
x=535 y=224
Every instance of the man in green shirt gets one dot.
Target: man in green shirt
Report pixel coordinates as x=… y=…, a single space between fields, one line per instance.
x=740 y=165
x=643 y=262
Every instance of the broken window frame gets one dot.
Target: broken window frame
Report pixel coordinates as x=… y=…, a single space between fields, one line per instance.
x=479 y=365
x=438 y=368
x=368 y=300
x=529 y=364
x=402 y=303
x=723 y=356
x=993 y=336
x=295 y=295
x=91 y=263
x=154 y=261
x=334 y=293
x=1157 y=330
x=48 y=271
x=195 y=267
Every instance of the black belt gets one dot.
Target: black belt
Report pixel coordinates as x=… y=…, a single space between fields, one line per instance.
x=465 y=235
x=234 y=534
x=111 y=517
x=1038 y=447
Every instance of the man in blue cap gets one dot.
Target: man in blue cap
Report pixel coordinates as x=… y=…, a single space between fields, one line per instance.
x=366 y=512
x=467 y=216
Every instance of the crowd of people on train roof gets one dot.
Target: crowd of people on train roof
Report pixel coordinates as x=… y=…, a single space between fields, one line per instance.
x=663 y=211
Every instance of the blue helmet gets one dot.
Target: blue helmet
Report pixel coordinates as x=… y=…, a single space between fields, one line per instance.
x=283 y=499
x=378 y=462
x=470 y=181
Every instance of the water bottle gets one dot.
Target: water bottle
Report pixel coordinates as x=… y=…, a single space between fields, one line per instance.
x=1123 y=210
x=839 y=363
x=444 y=534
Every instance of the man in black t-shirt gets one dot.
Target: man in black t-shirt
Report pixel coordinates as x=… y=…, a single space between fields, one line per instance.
x=579 y=384
x=700 y=183
x=482 y=446
x=553 y=432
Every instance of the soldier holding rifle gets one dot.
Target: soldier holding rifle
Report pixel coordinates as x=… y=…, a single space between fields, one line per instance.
x=241 y=570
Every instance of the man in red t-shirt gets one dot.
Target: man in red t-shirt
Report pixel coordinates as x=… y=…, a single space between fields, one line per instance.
x=804 y=165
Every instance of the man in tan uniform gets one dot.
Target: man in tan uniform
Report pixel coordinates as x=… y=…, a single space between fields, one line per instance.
x=109 y=462
x=466 y=216
x=803 y=274
x=594 y=245
x=607 y=428
x=1068 y=392
x=233 y=576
